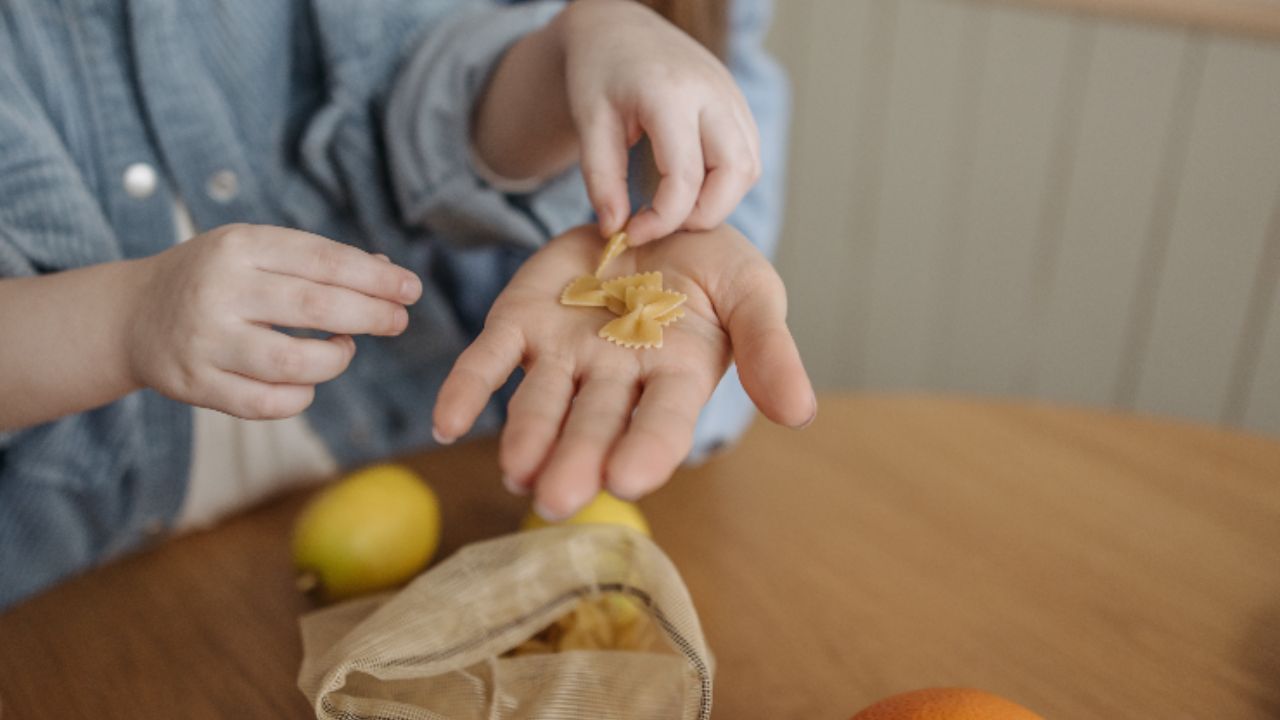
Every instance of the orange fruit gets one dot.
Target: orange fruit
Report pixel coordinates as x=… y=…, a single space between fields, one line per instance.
x=946 y=704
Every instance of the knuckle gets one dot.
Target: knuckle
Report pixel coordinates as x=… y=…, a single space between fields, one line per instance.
x=234 y=239
x=328 y=261
x=288 y=362
x=688 y=175
x=743 y=170
x=600 y=180
x=314 y=304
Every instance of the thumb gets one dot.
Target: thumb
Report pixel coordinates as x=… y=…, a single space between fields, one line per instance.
x=769 y=363
x=604 y=169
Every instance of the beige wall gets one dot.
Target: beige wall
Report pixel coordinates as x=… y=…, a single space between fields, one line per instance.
x=1001 y=200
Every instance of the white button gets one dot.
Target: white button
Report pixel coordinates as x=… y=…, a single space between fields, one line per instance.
x=223 y=186
x=140 y=181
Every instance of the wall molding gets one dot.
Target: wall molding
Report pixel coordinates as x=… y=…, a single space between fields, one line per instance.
x=1257 y=18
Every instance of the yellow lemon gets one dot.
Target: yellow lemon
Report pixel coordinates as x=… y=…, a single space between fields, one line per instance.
x=605 y=509
x=371 y=531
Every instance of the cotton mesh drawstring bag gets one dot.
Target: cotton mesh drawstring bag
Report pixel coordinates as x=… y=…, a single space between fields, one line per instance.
x=462 y=641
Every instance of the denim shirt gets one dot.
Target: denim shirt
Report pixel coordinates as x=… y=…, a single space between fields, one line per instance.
x=347 y=118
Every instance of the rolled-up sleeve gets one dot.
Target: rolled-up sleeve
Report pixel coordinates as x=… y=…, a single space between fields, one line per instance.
x=435 y=178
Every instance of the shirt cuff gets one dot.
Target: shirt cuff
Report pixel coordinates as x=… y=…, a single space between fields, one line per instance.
x=437 y=179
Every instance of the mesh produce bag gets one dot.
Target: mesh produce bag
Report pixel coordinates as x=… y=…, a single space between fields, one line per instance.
x=448 y=645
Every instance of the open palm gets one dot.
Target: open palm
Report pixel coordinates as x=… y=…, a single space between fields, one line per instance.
x=590 y=414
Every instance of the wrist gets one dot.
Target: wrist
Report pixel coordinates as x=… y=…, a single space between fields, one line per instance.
x=521 y=126
x=130 y=285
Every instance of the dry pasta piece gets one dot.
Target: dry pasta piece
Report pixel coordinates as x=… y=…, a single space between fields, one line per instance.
x=640 y=327
x=584 y=291
x=633 y=330
x=615 y=247
x=670 y=316
x=643 y=307
x=663 y=306
x=615 y=290
x=656 y=302
x=607 y=622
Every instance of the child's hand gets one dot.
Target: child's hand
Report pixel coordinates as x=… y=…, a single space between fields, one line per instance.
x=630 y=72
x=202 y=332
x=590 y=414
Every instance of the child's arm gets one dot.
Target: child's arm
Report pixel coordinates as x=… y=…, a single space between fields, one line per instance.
x=61 y=342
x=590 y=414
x=195 y=323
x=594 y=80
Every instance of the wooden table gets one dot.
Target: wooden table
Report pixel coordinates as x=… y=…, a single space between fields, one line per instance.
x=1086 y=565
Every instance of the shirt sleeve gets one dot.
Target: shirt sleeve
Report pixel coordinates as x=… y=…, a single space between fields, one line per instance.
x=437 y=180
x=759 y=216
x=765 y=86
x=49 y=220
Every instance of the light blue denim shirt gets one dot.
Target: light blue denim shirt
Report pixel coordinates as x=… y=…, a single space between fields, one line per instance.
x=347 y=118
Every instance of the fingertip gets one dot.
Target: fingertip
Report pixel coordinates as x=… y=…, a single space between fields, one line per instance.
x=774 y=376
x=625 y=483
x=442 y=438
x=789 y=400
x=547 y=513
x=447 y=422
x=513 y=486
x=641 y=230
x=613 y=218
x=812 y=415
x=399 y=321
x=561 y=503
x=410 y=289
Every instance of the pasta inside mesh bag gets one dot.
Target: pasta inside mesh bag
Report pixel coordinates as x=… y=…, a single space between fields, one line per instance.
x=579 y=622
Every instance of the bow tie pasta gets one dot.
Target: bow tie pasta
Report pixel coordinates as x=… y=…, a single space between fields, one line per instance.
x=643 y=307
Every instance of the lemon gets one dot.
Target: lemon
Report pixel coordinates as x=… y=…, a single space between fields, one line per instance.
x=605 y=509
x=371 y=531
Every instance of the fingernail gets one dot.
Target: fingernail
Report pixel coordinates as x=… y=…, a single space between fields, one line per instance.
x=441 y=439
x=812 y=417
x=622 y=493
x=381 y=256
x=410 y=289
x=514 y=487
x=546 y=514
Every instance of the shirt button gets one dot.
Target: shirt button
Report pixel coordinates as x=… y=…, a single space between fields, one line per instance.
x=223 y=186
x=154 y=528
x=139 y=181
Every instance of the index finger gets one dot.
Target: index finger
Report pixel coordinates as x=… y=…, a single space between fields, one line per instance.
x=319 y=259
x=677 y=153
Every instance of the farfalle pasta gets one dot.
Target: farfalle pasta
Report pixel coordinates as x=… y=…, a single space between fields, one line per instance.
x=643 y=307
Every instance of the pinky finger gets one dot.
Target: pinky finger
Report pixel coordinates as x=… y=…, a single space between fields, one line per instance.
x=251 y=399
x=480 y=370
